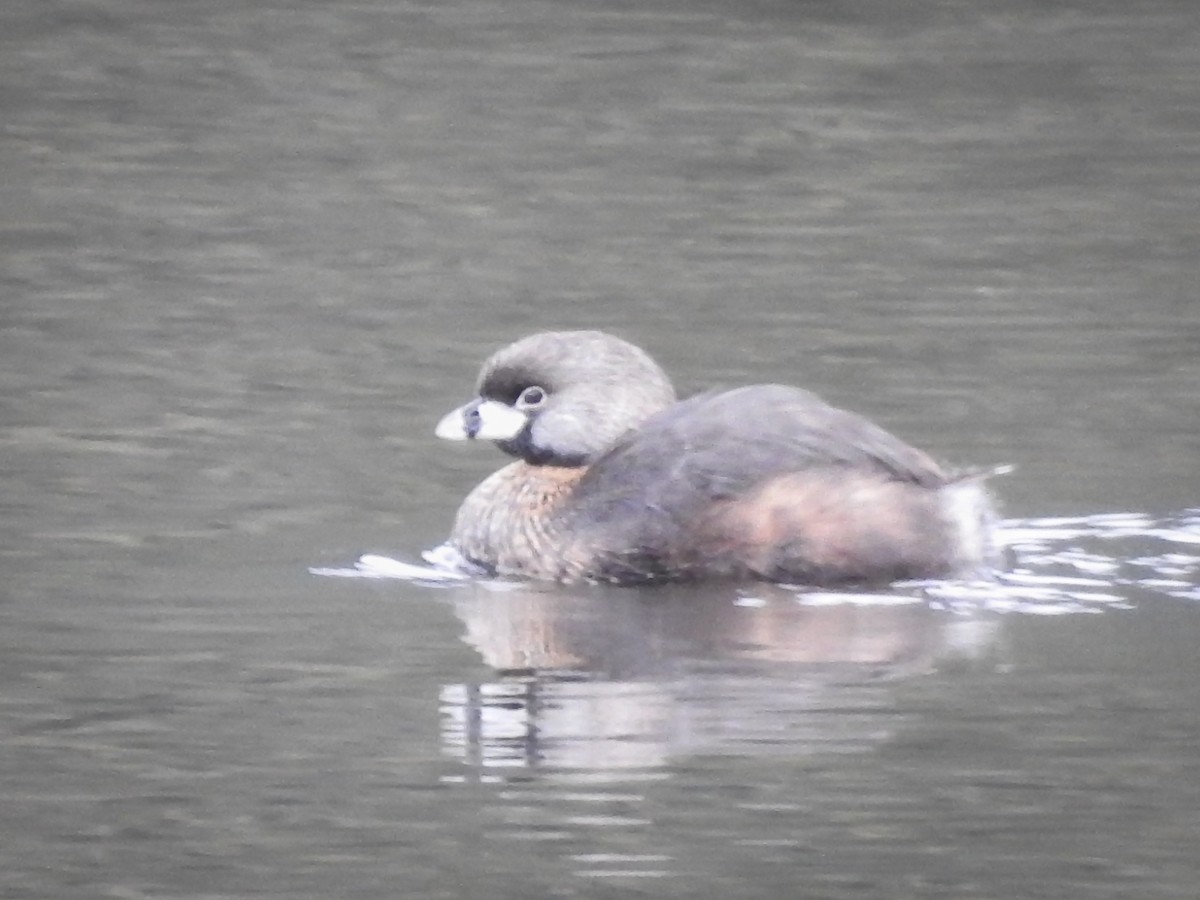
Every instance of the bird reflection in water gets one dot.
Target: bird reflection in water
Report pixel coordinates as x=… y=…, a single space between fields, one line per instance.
x=609 y=680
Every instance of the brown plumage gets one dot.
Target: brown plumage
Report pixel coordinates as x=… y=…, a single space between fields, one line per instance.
x=615 y=481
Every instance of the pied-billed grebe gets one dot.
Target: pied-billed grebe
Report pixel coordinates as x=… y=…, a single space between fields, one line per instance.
x=616 y=481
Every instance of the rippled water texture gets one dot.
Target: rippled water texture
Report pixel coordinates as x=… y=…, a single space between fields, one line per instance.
x=251 y=252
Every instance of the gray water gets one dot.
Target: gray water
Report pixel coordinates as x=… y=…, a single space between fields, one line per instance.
x=252 y=252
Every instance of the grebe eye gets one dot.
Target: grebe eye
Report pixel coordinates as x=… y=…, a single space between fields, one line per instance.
x=531 y=398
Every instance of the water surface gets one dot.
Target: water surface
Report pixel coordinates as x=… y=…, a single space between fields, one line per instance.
x=249 y=254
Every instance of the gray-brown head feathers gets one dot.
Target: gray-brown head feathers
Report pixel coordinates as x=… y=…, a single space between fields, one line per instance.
x=594 y=387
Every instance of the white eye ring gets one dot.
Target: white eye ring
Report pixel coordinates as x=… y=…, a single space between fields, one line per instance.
x=531 y=398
